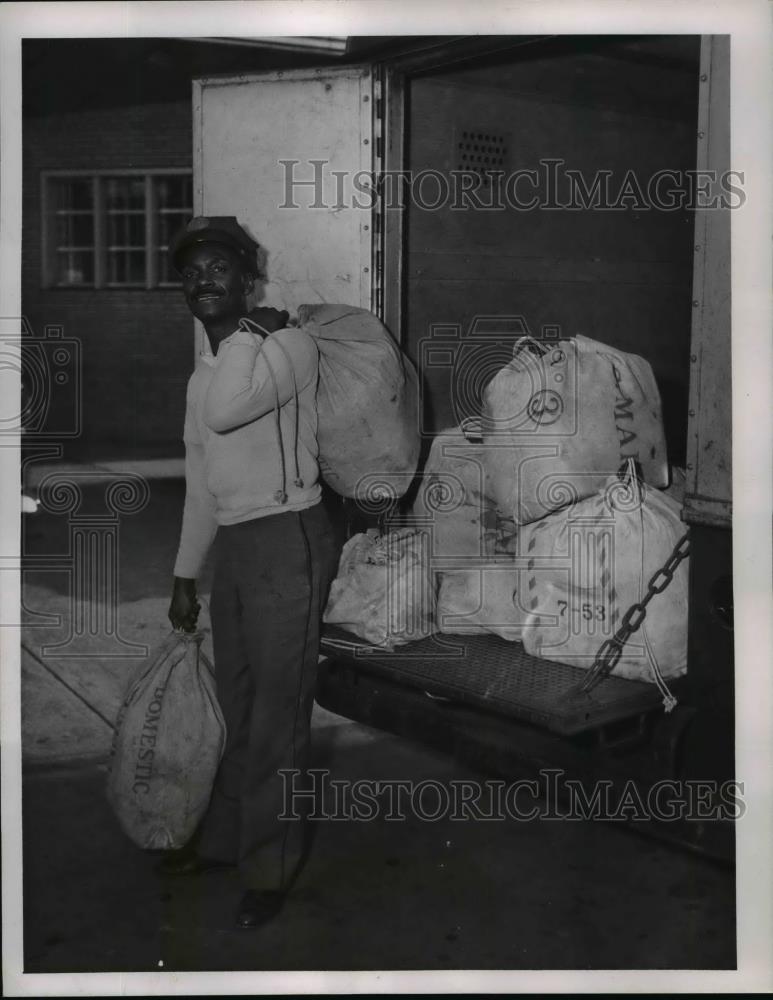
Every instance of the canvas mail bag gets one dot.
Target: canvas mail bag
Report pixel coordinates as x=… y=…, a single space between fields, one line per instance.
x=562 y=417
x=168 y=742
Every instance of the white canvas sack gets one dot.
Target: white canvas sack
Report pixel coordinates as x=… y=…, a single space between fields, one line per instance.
x=383 y=591
x=561 y=417
x=451 y=503
x=481 y=599
x=471 y=544
x=367 y=401
x=167 y=746
x=586 y=566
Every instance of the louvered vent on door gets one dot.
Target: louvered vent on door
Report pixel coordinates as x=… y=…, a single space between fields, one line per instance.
x=481 y=151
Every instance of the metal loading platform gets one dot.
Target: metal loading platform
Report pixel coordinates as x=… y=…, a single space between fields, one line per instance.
x=493 y=707
x=501 y=677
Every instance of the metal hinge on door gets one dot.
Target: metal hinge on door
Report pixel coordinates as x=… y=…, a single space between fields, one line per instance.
x=377 y=257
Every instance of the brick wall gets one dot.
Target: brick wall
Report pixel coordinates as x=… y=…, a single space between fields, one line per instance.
x=137 y=346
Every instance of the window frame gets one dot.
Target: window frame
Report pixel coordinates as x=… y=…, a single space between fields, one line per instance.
x=151 y=248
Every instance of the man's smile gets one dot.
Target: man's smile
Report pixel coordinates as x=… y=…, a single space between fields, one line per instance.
x=215 y=284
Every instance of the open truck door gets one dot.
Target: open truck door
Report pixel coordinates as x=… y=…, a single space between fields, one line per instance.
x=295 y=156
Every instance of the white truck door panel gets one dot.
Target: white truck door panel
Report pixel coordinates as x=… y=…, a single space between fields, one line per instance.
x=244 y=127
x=708 y=498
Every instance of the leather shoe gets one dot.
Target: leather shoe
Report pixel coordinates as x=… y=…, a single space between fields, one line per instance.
x=188 y=862
x=258 y=907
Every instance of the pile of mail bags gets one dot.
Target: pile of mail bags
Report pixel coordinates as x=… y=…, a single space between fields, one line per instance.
x=544 y=521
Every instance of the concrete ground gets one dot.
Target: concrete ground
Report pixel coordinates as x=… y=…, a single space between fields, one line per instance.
x=374 y=895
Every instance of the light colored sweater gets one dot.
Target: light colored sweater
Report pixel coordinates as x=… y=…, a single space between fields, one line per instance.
x=250 y=437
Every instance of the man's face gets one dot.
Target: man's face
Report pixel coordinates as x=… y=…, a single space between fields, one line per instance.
x=215 y=282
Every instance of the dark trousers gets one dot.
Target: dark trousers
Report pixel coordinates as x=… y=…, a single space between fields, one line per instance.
x=272 y=576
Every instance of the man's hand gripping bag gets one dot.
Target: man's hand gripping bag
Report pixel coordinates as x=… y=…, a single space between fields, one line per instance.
x=168 y=742
x=367 y=401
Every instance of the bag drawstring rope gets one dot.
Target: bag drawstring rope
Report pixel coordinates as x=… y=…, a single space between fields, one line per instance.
x=298 y=480
x=246 y=326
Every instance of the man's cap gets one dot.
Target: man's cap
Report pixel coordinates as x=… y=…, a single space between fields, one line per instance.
x=215 y=229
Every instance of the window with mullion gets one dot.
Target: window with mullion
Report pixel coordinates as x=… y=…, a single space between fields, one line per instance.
x=125 y=209
x=73 y=223
x=112 y=231
x=174 y=207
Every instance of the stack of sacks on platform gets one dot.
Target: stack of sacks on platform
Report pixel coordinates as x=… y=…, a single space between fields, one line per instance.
x=471 y=545
x=531 y=536
x=559 y=423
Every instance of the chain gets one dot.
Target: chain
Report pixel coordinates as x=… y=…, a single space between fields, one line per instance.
x=611 y=650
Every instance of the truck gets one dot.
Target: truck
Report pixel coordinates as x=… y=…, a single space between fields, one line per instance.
x=379 y=183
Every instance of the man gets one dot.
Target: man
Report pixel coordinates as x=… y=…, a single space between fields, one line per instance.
x=252 y=487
